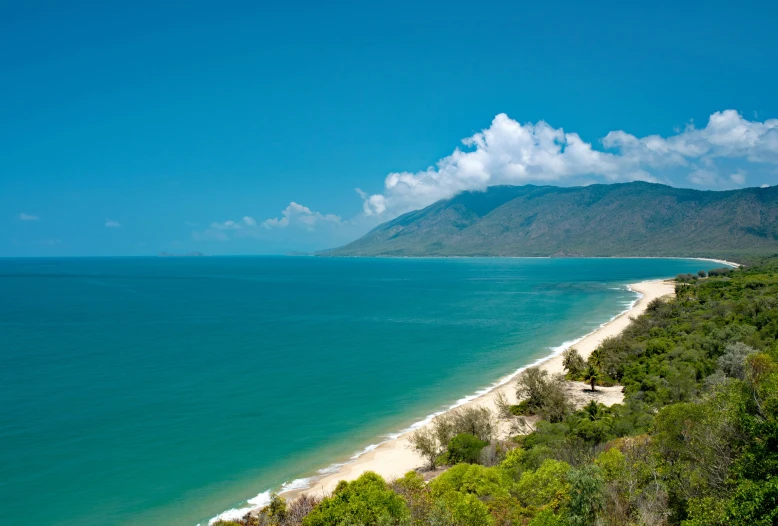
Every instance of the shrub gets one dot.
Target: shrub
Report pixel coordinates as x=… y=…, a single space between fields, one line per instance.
x=367 y=501
x=465 y=448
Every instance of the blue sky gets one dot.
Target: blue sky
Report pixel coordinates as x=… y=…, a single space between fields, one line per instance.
x=241 y=128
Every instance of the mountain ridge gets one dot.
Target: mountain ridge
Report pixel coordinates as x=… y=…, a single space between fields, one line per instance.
x=623 y=219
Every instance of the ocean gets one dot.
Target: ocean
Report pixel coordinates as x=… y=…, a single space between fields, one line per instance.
x=138 y=391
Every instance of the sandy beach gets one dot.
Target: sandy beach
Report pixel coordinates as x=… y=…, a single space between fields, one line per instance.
x=394 y=458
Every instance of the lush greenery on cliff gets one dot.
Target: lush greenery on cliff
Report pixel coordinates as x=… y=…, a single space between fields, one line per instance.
x=632 y=219
x=694 y=443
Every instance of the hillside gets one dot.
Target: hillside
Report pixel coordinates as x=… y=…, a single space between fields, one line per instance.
x=629 y=219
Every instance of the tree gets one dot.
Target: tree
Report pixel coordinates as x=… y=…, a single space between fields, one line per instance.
x=546 y=486
x=425 y=442
x=594 y=411
x=595 y=358
x=587 y=498
x=573 y=362
x=469 y=492
x=531 y=387
x=543 y=394
x=733 y=361
x=432 y=440
x=591 y=375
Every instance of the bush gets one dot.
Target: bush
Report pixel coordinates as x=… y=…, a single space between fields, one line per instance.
x=366 y=501
x=465 y=448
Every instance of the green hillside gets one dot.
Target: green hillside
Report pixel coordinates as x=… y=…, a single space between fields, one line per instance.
x=630 y=219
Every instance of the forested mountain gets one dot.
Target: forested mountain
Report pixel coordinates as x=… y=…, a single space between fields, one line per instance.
x=630 y=219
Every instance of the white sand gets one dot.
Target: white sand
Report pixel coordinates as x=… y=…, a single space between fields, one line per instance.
x=394 y=458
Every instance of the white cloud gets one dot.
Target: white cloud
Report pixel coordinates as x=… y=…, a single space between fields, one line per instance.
x=297 y=214
x=235 y=225
x=28 y=217
x=109 y=223
x=508 y=152
x=765 y=186
x=738 y=177
x=704 y=177
x=294 y=215
x=505 y=153
x=727 y=135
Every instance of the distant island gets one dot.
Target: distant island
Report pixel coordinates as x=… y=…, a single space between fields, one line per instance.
x=628 y=219
x=187 y=255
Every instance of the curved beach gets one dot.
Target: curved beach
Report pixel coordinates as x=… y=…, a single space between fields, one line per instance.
x=393 y=457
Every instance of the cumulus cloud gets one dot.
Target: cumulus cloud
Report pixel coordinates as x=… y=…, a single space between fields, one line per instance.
x=508 y=152
x=28 y=217
x=294 y=215
x=727 y=135
x=299 y=215
x=512 y=153
x=109 y=223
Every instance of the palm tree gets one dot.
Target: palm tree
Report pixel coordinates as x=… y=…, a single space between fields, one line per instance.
x=595 y=358
x=591 y=375
x=594 y=410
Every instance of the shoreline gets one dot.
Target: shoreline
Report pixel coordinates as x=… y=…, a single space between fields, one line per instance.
x=713 y=260
x=393 y=457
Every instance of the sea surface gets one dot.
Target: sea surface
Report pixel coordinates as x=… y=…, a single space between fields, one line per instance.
x=139 y=391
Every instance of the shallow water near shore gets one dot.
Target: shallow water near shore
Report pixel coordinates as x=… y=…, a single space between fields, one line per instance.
x=167 y=390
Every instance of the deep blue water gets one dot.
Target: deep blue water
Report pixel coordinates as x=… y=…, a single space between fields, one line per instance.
x=165 y=390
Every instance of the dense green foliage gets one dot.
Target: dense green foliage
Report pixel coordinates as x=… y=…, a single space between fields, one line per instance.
x=631 y=219
x=465 y=448
x=367 y=500
x=694 y=443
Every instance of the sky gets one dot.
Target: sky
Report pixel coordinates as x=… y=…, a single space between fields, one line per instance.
x=134 y=128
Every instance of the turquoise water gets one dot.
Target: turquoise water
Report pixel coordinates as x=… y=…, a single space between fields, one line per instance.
x=164 y=391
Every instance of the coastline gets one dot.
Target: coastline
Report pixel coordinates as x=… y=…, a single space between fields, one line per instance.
x=713 y=260
x=393 y=457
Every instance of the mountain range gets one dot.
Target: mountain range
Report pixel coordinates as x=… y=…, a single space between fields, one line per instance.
x=628 y=219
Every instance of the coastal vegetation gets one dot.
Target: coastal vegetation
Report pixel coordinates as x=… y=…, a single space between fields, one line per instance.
x=627 y=219
x=694 y=443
